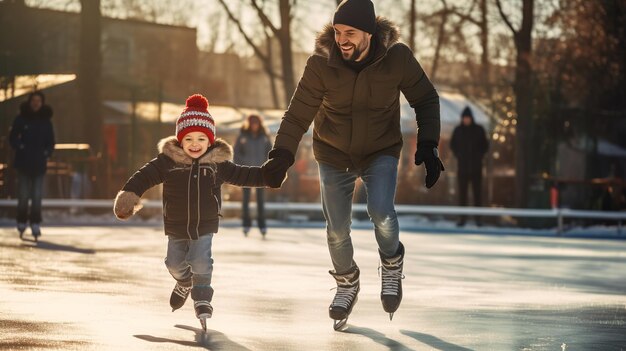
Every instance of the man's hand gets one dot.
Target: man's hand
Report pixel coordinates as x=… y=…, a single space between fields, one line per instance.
x=429 y=155
x=275 y=169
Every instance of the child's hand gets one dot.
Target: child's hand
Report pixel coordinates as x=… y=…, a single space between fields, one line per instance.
x=126 y=204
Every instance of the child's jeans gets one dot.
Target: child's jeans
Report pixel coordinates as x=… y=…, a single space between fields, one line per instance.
x=191 y=260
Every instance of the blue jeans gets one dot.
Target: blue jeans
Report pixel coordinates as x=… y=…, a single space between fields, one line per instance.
x=29 y=188
x=191 y=260
x=337 y=189
x=260 y=207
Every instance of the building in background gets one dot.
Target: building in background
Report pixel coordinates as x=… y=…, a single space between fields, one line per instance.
x=148 y=70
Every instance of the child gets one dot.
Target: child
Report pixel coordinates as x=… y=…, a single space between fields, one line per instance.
x=192 y=165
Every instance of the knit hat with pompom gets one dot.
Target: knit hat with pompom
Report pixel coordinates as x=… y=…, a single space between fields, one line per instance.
x=195 y=118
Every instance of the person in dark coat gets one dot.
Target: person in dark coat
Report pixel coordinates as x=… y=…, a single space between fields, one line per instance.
x=32 y=138
x=469 y=145
x=350 y=90
x=192 y=166
x=251 y=149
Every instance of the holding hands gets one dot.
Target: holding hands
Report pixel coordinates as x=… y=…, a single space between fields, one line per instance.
x=275 y=168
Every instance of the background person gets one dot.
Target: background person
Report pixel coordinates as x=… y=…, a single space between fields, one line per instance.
x=32 y=138
x=251 y=149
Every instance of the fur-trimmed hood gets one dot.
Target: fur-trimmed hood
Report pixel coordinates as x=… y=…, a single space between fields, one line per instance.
x=387 y=32
x=220 y=151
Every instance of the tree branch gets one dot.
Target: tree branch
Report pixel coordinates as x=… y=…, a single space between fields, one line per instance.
x=240 y=28
x=264 y=19
x=266 y=62
x=465 y=17
x=505 y=18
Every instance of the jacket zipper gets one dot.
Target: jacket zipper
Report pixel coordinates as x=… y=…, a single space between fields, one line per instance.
x=188 y=202
x=198 y=203
x=217 y=204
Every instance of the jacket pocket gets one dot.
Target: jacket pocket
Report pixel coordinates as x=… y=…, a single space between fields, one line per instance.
x=384 y=93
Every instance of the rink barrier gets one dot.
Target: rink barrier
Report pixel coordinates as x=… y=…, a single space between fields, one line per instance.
x=559 y=214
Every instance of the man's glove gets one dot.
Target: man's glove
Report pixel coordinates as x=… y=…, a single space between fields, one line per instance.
x=275 y=169
x=429 y=155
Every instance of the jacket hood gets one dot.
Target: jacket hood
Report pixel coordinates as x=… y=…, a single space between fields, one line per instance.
x=44 y=112
x=387 y=32
x=220 y=151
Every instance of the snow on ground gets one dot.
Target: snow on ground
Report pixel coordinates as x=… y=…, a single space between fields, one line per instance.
x=106 y=288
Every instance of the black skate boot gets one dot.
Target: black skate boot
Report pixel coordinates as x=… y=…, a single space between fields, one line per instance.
x=204 y=310
x=21 y=228
x=391 y=274
x=179 y=294
x=36 y=230
x=348 y=287
x=202 y=296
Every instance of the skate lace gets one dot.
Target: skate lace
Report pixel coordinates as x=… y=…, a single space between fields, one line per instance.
x=181 y=291
x=344 y=296
x=391 y=274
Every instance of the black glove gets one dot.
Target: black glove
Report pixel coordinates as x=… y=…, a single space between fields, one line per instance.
x=429 y=154
x=275 y=169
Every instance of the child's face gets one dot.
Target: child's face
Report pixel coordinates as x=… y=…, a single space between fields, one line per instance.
x=195 y=144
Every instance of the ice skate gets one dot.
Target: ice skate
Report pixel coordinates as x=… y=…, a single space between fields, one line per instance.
x=348 y=287
x=204 y=310
x=36 y=230
x=391 y=287
x=21 y=228
x=179 y=295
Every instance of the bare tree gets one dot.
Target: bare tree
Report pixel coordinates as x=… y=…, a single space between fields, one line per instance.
x=483 y=25
x=441 y=38
x=522 y=87
x=266 y=59
x=89 y=69
x=284 y=38
x=412 y=25
x=282 y=34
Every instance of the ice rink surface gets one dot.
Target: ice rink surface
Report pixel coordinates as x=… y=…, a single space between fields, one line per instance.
x=103 y=288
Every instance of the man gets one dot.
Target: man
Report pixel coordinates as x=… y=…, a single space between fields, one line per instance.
x=350 y=88
x=469 y=145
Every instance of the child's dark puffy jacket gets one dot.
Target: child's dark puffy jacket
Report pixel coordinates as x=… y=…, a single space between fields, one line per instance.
x=192 y=187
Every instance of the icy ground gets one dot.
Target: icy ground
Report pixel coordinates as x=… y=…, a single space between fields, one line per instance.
x=106 y=288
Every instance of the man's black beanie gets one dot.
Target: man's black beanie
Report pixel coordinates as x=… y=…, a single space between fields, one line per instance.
x=356 y=13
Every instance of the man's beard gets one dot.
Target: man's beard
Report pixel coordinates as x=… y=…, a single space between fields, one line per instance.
x=356 y=53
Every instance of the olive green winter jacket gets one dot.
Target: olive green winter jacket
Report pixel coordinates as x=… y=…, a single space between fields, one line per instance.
x=357 y=115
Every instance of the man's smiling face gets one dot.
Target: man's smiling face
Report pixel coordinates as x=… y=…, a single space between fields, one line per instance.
x=353 y=43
